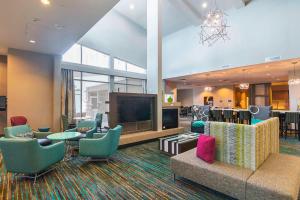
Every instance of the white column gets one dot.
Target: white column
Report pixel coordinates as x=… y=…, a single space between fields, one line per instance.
x=111 y=78
x=154 y=54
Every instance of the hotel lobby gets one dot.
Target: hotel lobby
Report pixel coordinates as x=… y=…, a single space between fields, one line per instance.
x=150 y=99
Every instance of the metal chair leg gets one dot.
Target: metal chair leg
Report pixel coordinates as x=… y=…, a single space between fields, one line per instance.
x=34 y=179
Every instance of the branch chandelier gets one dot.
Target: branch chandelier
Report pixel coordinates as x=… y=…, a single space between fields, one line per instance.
x=214 y=27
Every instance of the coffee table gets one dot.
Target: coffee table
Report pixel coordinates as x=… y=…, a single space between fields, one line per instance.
x=177 y=144
x=65 y=136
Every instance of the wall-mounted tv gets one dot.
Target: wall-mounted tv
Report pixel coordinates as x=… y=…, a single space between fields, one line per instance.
x=133 y=109
x=3 y=103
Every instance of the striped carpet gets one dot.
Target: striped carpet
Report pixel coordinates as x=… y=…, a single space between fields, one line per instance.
x=138 y=172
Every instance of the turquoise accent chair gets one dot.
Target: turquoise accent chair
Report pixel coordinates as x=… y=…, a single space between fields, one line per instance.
x=12 y=132
x=26 y=156
x=103 y=147
x=91 y=124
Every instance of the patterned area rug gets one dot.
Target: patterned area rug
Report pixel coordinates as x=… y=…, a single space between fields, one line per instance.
x=138 y=172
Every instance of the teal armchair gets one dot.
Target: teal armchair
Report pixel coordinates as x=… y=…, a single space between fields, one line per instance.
x=26 y=156
x=14 y=131
x=91 y=124
x=101 y=147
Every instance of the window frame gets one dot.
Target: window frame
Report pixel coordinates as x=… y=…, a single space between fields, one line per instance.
x=81 y=85
x=126 y=66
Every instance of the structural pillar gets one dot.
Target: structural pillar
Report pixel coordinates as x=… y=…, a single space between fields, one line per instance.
x=56 y=126
x=154 y=54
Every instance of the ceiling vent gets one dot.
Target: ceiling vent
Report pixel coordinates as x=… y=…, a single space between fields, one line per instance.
x=272 y=58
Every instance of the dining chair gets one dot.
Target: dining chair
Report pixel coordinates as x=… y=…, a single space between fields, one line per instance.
x=292 y=120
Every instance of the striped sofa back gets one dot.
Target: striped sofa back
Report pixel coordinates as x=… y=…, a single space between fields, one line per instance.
x=243 y=145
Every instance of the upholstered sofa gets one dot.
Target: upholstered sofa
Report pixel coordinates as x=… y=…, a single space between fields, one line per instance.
x=248 y=164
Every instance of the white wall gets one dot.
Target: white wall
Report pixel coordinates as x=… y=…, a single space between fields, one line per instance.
x=30 y=87
x=116 y=35
x=223 y=94
x=262 y=29
x=185 y=96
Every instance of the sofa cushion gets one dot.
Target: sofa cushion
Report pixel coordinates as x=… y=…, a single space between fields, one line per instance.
x=218 y=176
x=206 y=148
x=278 y=178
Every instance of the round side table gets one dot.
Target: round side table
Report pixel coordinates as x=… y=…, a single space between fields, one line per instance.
x=65 y=136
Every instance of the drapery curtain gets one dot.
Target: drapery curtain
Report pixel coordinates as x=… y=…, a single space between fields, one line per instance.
x=67 y=94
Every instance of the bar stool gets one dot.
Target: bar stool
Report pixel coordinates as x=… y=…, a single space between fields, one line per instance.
x=244 y=116
x=292 y=118
x=228 y=115
x=217 y=115
x=281 y=117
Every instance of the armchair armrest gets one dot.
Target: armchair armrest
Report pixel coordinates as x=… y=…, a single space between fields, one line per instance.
x=90 y=133
x=89 y=147
x=41 y=135
x=51 y=154
x=98 y=135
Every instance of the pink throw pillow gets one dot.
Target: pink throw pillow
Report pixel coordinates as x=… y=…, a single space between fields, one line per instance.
x=206 y=148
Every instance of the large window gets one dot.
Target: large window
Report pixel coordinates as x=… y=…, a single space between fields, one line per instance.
x=125 y=66
x=94 y=58
x=73 y=55
x=91 y=93
x=129 y=85
x=83 y=55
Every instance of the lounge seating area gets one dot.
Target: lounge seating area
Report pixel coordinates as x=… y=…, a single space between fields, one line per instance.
x=150 y=99
x=248 y=164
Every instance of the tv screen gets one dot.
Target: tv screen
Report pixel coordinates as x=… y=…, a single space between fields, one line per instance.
x=2 y=102
x=133 y=109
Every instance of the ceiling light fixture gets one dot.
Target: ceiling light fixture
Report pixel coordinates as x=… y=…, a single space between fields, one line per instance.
x=131 y=6
x=294 y=80
x=214 y=27
x=204 y=5
x=208 y=89
x=45 y=2
x=244 y=86
x=32 y=41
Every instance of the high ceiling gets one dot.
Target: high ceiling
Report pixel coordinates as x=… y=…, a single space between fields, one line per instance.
x=54 y=27
x=177 y=14
x=261 y=73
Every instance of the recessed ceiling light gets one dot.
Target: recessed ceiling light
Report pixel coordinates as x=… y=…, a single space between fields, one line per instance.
x=32 y=41
x=45 y=2
x=131 y=6
x=204 y=5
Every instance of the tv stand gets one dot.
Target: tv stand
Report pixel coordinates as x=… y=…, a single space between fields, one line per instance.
x=129 y=123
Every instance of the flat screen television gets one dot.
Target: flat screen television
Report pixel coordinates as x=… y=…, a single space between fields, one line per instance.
x=133 y=109
x=2 y=103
